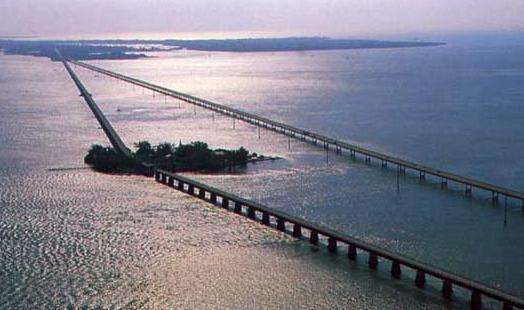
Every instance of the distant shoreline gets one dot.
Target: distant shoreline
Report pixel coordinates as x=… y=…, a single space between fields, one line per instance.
x=133 y=49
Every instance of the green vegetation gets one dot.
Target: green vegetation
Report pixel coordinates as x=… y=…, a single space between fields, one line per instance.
x=196 y=156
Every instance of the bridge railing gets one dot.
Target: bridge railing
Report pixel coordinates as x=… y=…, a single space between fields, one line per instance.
x=270 y=217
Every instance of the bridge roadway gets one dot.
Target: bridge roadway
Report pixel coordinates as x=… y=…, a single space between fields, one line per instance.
x=269 y=215
x=110 y=132
x=308 y=136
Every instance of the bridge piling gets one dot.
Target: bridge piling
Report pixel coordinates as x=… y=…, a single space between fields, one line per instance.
x=225 y=202
x=332 y=244
x=420 y=279
x=265 y=219
x=213 y=198
x=373 y=261
x=313 y=237
x=395 y=269
x=447 y=289
x=352 y=252
x=281 y=224
x=251 y=213
x=476 y=300
x=297 y=230
x=202 y=194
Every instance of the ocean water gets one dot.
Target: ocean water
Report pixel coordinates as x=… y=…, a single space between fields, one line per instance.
x=76 y=237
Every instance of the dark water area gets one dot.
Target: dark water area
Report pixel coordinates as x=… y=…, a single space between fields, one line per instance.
x=83 y=238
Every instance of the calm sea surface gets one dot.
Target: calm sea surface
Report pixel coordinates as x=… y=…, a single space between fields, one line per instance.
x=80 y=238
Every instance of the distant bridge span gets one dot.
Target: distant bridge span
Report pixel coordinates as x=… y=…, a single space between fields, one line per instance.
x=329 y=143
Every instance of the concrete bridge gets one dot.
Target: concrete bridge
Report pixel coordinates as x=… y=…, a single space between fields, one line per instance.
x=305 y=230
x=328 y=143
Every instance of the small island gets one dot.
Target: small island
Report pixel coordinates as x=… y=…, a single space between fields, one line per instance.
x=195 y=156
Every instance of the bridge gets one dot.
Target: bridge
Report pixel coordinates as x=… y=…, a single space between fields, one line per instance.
x=110 y=132
x=314 y=138
x=316 y=235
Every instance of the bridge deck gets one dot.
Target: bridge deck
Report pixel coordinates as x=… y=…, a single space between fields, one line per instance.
x=436 y=272
x=310 y=136
x=110 y=132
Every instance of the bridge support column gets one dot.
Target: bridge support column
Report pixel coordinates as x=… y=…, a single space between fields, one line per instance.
x=281 y=224
x=180 y=186
x=251 y=213
x=420 y=279
x=476 y=300
x=171 y=182
x=213 y=198
x=225 y=203
x=238 y=207
x=384 y=164
x=444 y=183
x=332 y=244
x=202 y=194
x=313 y=237
x=395 y=270
x=352 y=252
x=265 y=219
x=297 y=230
x=191 y=189
x=157 y=176
x=422 y=175
x=468 y=191
x=447 y=289
x=373 y=261
x=494 y=197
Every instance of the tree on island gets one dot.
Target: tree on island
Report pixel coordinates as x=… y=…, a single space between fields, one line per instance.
x=196 y=156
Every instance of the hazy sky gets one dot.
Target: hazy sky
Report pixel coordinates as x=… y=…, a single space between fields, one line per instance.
x=351 y=18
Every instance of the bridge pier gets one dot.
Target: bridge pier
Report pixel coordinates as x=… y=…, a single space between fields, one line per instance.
x=202 y=193
x=476 y=300
x=225 y=202
x=191 y=189
x=238 y=207
x=313 y=237
x=443 y=183
x=213 y=198
x=494 y=197
x=297 y=230
x=352 y=252
x=180 y=186
x=420 y=279
x=447 y=289
x=373 y=261
x=422 y=175
x=468 y=190
x=251 y=213
x=395 y=270
x=171 y=182
x=281 y=224
x=265 y=219
x=332 y=244
x=384 y=164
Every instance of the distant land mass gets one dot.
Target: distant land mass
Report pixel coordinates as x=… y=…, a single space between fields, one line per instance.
x=133 y=49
